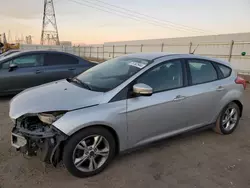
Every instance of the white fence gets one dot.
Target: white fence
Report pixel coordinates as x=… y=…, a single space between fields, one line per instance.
x=230 y=51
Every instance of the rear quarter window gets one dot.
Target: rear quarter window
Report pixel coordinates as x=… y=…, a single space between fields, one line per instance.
x=226 y=71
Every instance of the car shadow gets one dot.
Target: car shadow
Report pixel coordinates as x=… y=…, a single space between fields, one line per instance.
x=130 y=155
x=164 y=143
x=6 y=98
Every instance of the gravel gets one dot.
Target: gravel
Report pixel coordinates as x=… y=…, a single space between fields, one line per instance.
x=204 y=159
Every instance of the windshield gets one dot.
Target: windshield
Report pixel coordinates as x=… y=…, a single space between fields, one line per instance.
x=108 y=75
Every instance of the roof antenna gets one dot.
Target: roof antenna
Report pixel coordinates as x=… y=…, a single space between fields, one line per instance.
x=195 y=49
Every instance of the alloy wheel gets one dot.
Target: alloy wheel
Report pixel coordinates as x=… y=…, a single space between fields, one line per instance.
x=91 y=153
x=229 y=119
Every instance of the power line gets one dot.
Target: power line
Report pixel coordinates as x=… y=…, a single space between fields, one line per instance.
x=157 y=19
x=126 y=15
x=97 y=7
x=147 y=20
x=87 y=5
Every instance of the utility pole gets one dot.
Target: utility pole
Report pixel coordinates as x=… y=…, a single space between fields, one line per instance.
x=29 y=39
x=49 y=27
x=22 y=39
x=9 y=37
x=4 y=38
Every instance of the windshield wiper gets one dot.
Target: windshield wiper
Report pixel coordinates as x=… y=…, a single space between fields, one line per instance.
x=79 y=82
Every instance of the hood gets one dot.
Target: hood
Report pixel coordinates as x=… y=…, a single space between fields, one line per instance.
x=55 y=96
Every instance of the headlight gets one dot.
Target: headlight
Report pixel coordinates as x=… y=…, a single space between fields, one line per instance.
x=50 y=118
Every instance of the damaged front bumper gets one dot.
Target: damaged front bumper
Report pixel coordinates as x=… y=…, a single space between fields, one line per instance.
x=38 y=139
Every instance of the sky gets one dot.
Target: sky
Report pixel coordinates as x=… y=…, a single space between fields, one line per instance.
x=82 y=24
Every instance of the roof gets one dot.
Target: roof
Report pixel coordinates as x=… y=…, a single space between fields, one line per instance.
x=155 y=55
x=27 y=52
x=148 y=56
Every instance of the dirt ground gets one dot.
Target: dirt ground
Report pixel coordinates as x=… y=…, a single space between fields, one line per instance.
x=203 y=159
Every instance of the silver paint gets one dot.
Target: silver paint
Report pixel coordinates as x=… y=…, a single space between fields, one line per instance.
x=136 y=121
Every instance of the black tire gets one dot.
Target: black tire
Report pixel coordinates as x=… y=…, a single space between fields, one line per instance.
x=75 y=139
x=219 y=128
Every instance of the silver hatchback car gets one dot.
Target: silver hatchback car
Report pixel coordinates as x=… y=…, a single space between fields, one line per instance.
x=124 y=103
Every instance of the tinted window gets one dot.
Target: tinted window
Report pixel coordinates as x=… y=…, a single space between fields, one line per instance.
x=7 y=54
x=25 y=61
x=60 y=59
x=226 y=71
x=5 y=65
x=202 y=71
x=164 y=77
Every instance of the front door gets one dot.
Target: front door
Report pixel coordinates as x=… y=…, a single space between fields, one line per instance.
x=27 y=73
x=165 y=112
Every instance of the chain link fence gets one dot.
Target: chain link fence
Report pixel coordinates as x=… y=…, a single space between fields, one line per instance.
x=237 y=53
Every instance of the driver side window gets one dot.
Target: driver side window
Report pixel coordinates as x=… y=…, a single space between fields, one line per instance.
x=29 y=61
x=164 y=77
x=6 y=65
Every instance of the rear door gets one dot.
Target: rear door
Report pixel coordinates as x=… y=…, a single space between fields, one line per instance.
x=59 y=66
x=27 y=73
x=204 y=92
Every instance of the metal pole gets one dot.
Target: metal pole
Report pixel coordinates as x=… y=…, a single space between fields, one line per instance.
x=103 y=52
x=97 y=52
x=125 y=49
x=231 y=50
x=79 y=50
x=141 y=47
x=190 y=48
x=162 y=47
x=113 y=51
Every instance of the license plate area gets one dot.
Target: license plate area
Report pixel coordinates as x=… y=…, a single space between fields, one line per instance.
x=18 y=141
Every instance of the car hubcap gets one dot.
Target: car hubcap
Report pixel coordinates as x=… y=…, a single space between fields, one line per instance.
x=229 y=119
x=91 y=153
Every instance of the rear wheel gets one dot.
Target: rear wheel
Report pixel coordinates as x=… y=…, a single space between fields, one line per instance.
x=89 y=151
x=228 y=119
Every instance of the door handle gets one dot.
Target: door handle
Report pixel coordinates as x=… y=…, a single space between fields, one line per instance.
x=179 y=98
x=220 y=88
x=72 y=68
x=38 y=71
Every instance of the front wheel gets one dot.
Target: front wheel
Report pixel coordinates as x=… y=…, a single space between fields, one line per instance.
x=228 y=119
x=89 y=151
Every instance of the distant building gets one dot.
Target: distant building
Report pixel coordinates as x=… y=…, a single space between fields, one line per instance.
x=65 y=43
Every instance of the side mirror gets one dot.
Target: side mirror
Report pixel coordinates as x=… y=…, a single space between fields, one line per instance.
x=12 y=67
x=142 y=89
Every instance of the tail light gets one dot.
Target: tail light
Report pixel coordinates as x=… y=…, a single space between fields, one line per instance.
x=240 y=80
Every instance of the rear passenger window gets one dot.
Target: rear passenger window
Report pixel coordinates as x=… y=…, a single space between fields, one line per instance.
x=202 y=71
x=59 y=59
x=226 y=71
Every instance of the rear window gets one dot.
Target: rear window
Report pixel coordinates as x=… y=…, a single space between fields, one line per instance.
x=226 y=71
